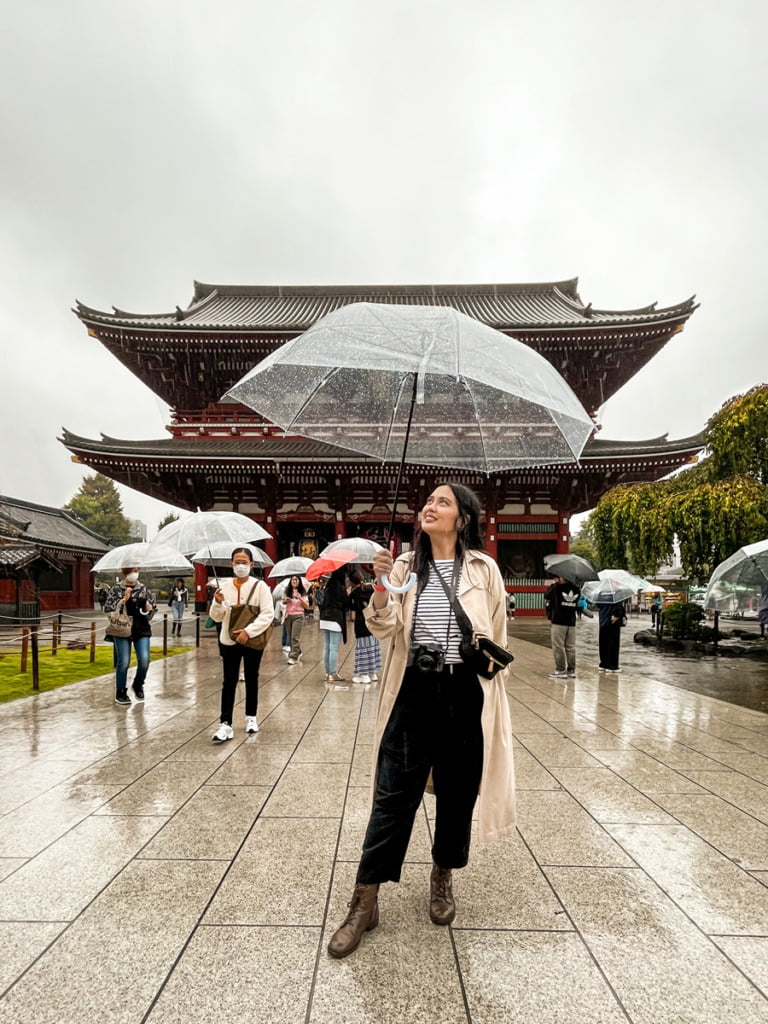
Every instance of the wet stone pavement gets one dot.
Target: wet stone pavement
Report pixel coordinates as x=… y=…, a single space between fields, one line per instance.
x=147 y=874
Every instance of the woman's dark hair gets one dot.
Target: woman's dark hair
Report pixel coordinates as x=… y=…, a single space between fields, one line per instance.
x=244 y=551
x=355 y=578
x=335 y=588
x=470 y=534
x=290 y=589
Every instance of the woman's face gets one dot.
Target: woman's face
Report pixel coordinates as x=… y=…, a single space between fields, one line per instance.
x=440 y=514
x=241 y=559
x=295 y=581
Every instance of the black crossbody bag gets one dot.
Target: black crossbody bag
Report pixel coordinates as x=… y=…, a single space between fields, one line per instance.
x=482 y=654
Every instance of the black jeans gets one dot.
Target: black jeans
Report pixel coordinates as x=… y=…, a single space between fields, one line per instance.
x=232 y=655
x=435 y=724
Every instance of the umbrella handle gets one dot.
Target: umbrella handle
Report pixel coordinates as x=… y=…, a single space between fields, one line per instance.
x=384 y=581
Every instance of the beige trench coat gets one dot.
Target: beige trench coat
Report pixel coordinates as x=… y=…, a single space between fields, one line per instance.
x=482 y=595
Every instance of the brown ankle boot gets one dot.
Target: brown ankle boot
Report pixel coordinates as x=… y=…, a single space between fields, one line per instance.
x=363 y=916
x=442 y=909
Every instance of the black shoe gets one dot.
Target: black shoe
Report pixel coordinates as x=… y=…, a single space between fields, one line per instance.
x=121 y=697
x=138 y=692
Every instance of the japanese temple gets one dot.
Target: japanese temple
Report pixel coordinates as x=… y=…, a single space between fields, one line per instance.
x=307 y=493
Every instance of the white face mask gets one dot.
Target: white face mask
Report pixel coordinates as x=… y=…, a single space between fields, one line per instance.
x=131 y=577
x=242 y=570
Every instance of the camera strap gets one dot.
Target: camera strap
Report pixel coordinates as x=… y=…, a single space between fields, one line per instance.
x=450 y=594
x=462 y=619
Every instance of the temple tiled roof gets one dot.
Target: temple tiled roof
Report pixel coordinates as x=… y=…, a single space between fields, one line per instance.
x=278 y=449
x=517 y=307
x=28 y=523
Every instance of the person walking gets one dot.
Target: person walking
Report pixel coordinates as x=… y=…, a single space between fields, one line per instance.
x=333 y=606
x=178 y=600
x=655 y=609
x=138 y=603
x=367 y=647
x=560 y=604
x=294 y=603
x=241 y=589
x=611 y=618
x=435 y=713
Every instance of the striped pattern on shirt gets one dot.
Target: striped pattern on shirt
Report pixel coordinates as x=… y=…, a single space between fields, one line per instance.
x=433 y=618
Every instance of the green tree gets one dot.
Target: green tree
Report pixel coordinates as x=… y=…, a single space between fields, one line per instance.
x=713 y=508
x=737 y=436
x=97 y=505
x=167 y=520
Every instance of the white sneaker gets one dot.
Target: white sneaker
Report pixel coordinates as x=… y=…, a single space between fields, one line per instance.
x=362 y=679
x=571 y=673
x=223 y=733
x=294 y=661
x=374 y=677
x=251 y=725
x=287 y=649
x=556 y=675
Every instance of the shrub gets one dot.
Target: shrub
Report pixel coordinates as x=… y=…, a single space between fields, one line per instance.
x=682 y=620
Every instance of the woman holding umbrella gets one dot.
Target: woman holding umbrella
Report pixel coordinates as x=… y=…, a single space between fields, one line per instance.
x=435 y=713
x=333 y=605
x=138 y=603
x=240 y=590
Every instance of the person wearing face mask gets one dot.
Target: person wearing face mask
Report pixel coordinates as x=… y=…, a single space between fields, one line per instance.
x=139 y=605
x=239 y=590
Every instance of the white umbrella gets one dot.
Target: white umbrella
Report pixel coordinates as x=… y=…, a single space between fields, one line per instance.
x=296 y=565
x=220 y=553
x=161 y=558
x=203 y=528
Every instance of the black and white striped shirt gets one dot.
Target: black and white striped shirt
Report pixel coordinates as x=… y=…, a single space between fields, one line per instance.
x=433 y=618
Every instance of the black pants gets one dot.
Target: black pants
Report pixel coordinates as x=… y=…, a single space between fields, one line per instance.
x=232 y=655
x=609 y=638
x=435 y=724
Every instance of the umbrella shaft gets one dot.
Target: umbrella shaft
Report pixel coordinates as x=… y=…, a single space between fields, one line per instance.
x=391 y=531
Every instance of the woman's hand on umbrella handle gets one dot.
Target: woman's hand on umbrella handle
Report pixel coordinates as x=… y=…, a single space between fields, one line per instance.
x=382 y=566
x=384 y=581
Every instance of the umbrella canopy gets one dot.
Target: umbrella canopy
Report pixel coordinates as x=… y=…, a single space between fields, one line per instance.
x=744 y=573
x=375 y=378
x=220 y=553
x=571 y=567
x=203 y=528
x=363 y=549
x=296 y=565
x=613 y=586
x=141 y=555
x=329 y=562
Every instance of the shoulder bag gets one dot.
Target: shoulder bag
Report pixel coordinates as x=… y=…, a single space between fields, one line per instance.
x=479 y=651
x=242 y=615
x=118 y=623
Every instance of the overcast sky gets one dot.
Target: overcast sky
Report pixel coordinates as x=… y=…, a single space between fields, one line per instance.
x=152 y=143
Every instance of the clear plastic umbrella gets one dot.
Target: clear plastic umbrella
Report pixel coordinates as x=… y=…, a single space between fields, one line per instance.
x=745 y=571
x=194 y=532
x=141 y=555
x=363 y=549
x=375 y=378
x=425 y=384
x=614 y=586
x=296 y=565
x=220 y=553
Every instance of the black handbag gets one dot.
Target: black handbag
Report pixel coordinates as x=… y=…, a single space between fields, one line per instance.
x=482 y=654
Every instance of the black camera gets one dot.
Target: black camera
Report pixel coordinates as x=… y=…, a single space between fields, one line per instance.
x=427 y=657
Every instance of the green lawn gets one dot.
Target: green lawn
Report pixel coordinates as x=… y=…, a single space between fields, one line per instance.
x=67 y=667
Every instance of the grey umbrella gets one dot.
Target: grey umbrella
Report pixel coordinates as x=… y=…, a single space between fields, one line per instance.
x=573 y=568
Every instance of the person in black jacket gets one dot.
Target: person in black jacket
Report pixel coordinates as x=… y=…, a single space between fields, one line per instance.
x=333 y=607
x=560 y=603
x=139 y=604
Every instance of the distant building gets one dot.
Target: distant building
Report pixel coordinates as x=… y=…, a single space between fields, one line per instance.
x=307 y=493
x=44 y=551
